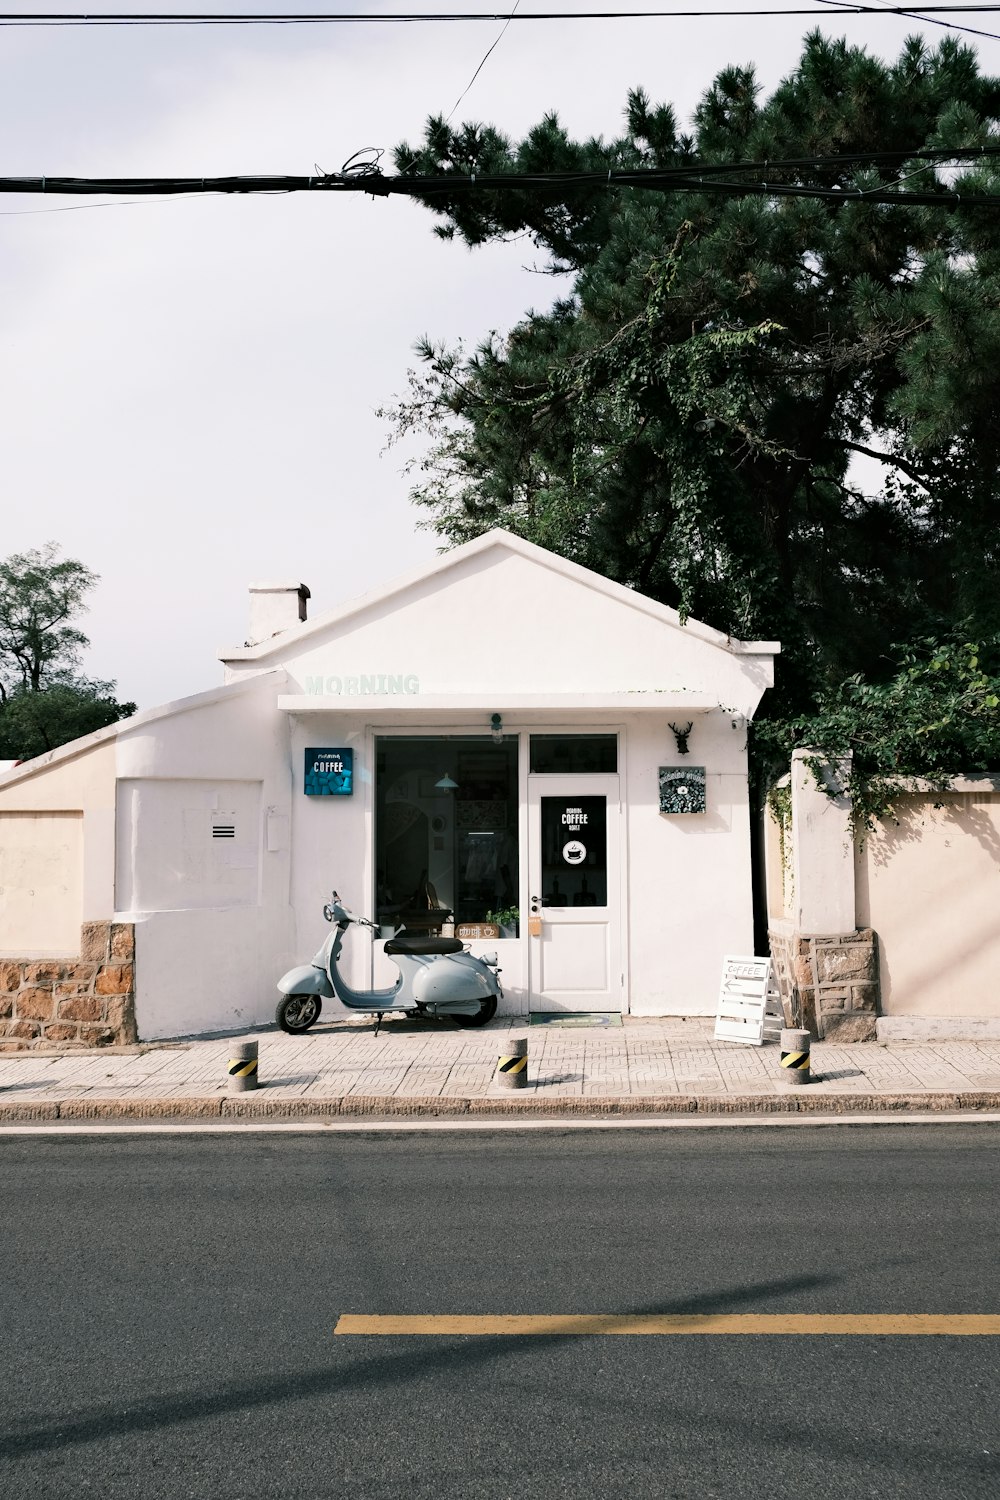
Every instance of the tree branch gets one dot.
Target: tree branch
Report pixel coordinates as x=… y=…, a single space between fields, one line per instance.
x=888 y=458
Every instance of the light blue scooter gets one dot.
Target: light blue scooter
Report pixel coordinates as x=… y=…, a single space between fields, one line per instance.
x=438 y=976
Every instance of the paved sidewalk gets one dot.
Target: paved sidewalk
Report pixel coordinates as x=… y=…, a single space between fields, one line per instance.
x=412 y=1068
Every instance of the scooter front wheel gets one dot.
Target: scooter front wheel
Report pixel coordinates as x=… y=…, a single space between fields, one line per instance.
x=487 y=1010
x=297 y=1013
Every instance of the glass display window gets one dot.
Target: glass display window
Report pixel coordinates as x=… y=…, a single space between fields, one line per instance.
x=573 y=754
x=446 y=835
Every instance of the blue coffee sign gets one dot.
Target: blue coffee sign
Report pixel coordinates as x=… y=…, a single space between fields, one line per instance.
x=329 y=773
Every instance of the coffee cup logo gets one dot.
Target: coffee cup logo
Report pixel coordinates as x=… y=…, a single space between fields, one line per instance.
x=574 y=853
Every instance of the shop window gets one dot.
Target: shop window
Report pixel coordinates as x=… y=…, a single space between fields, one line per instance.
x=573 y=754
x=446 y=845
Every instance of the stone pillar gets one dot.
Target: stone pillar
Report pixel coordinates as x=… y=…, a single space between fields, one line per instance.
x=827 y=970
x=822 y=850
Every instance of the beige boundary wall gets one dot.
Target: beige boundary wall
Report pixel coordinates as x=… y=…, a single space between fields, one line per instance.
x=67 y=971
x=929 y=884
x=897 y=934
x=57 y=851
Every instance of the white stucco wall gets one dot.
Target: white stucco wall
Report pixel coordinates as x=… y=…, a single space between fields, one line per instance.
x=686 y=879
x=503 y=622
x=497 y=625
x=494 y=627
x=689 y=893
x=214 y=928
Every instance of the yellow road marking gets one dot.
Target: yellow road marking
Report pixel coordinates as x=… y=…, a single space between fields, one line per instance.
x=676 y=1323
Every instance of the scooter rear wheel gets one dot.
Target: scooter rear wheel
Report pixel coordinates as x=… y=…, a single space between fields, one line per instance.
x=297 y=1013
x=487 y=1010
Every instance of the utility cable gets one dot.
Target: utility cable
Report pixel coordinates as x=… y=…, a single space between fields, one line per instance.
x=251 y=18
x=483 y=61
x=931 y=20
x=693 y=178
x=492 y=48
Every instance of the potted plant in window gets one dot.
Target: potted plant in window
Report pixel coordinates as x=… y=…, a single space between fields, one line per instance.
x=506 y=918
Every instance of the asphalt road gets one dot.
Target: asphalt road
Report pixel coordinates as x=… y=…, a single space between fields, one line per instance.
x=167 y=1307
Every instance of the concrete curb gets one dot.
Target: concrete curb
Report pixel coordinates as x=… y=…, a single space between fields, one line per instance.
x=387 y=1106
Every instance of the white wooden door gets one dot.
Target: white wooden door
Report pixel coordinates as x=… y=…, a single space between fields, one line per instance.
x=574 y=864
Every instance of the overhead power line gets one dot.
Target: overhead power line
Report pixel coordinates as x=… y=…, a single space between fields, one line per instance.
x=255 y=18
x=713 y=178
x=933 y=20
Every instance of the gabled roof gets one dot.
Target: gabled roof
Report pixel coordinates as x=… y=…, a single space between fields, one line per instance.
x=497 y=541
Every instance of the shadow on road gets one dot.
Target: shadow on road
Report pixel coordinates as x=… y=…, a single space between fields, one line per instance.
x=361 y=1370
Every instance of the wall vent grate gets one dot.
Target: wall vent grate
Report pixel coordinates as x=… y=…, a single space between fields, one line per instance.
x=223 y=830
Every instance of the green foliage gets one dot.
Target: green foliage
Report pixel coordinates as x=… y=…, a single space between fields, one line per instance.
x=40 y=594
x=779 y=804
x=506 y=916
x=684 y=418
x=32 y=723
x=938 y=716
x=44 y=701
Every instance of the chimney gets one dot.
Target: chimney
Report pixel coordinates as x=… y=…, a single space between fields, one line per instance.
x=275 y=607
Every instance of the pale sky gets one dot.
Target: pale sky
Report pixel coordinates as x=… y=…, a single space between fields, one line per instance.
x=188 y=388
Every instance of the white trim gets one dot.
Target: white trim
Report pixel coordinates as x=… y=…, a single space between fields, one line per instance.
x=498 y=539
x=465 y=703
x=984 y=782
x=146 y=716
x=198 y=700
x=610 y=786
x=69 y=751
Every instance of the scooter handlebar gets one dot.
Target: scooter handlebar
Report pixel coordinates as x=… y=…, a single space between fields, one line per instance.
x=335 y=911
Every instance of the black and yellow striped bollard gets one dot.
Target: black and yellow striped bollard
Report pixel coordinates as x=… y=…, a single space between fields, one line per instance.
x=512 y=1065
x=242 y=1067
x=795 y=1056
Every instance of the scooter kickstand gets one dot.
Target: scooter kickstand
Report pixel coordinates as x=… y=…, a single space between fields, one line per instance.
x=378 y=1023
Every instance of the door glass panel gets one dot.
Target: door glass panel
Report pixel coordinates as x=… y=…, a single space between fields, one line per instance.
x=574 y=851
x=573 y=754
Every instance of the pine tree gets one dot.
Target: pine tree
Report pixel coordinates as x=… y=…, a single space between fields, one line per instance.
x=686 y=418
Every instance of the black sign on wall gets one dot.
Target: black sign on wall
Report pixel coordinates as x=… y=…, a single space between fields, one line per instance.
x=574 y=851
x=682 y=789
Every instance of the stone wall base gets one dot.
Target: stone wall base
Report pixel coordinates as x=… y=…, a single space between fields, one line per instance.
x=73 y=1002
x=830 y=984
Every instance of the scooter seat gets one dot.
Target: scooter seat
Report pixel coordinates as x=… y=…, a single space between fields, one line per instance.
x=405 y=942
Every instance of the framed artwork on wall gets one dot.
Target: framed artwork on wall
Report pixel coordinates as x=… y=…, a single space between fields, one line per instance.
x=682 y=789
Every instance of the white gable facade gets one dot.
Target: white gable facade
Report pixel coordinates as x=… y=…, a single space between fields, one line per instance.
x=482 y=748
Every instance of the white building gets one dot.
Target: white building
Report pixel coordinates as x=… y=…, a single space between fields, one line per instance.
x=500 y=735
